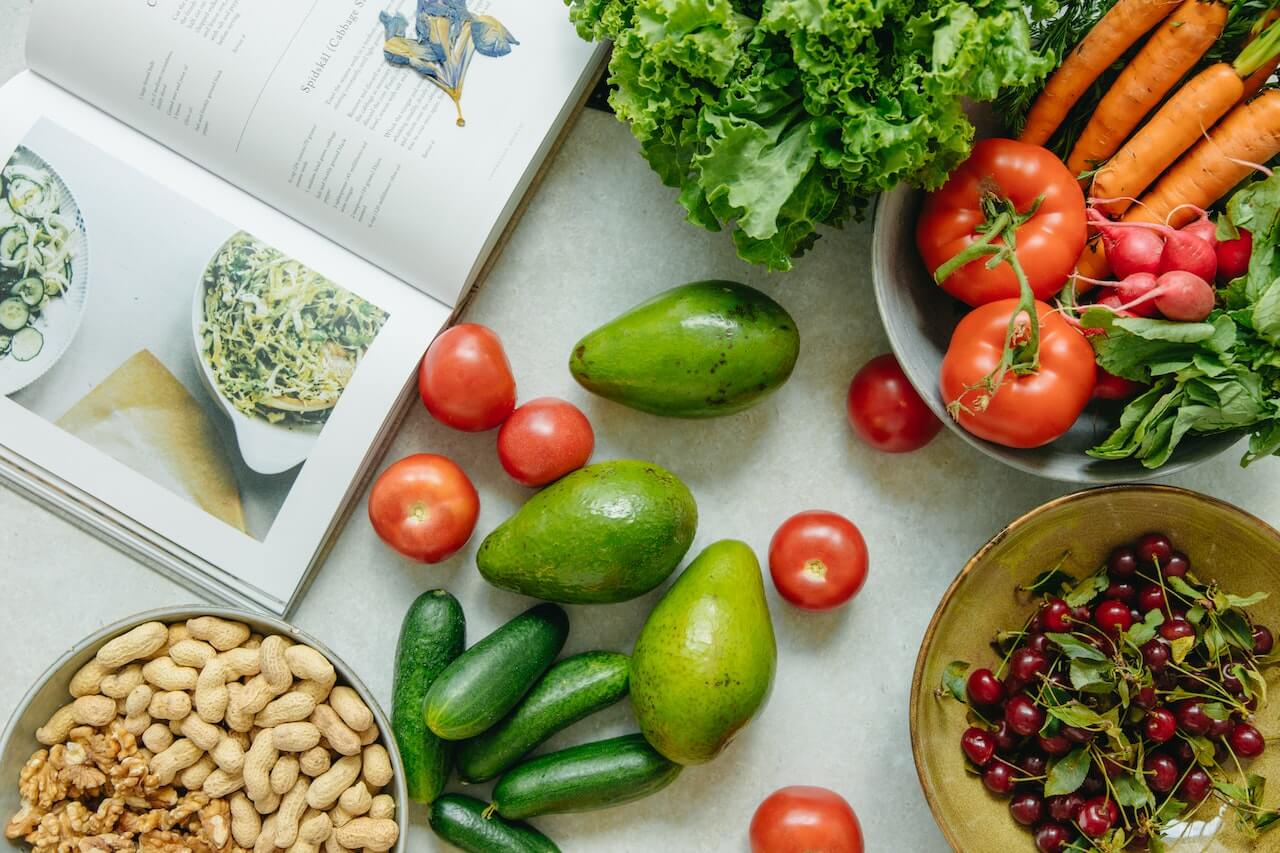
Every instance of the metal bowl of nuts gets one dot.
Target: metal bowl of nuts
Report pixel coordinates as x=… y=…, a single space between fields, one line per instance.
x=201 y=729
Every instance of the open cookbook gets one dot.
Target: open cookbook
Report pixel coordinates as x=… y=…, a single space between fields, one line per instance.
x=228 y=231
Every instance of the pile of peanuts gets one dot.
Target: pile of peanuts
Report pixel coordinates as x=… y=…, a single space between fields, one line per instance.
x=257 y=721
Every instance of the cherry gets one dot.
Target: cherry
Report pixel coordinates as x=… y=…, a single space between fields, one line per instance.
x=1234 y=686
x=1113 y=767
x=1064 y=807
x=1038 y=642
x=1218 y=729
x=1162 y=772
x=1033 y=764
x=1026 y=808
x=1056 y=745
x=1151 y=597
x=1097 y=817
x=1093 y=783
x=1026 y=664
x=1121 y=591
x=1145 y=698
x=1160 y=725
x=1176 y=566
x=1176 y=628
x=1184 y=752
x=1022 y=715
x=1078 y=736
x=1123 y=562
x=984 y=688
x=1155 y=653
x=1081 y=614
x=1056 y=616
x=998 y=778
x=978 y=745
x=1005 y=739
x=1195 y=786
x=1192 y=718
x=1154 y=548
x=1246 y=741
x=1263 y=640
x=1166 y=680
x=1113 y=617
x=1052 y=837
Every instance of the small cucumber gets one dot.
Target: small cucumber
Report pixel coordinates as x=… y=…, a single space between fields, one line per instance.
x=432 y=636
x=572 y=690
x=463 y=823
x=583 y=778
x=488 y=679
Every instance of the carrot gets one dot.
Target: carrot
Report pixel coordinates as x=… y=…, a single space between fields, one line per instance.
x=1171 y=51
x=1249 y=134
x=1257 y=79
x=1174 y=128
x=1116 y=32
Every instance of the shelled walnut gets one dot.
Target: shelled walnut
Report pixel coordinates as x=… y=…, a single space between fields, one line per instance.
x=163 y=709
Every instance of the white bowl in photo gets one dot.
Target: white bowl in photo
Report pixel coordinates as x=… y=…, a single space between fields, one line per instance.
x=60 y=320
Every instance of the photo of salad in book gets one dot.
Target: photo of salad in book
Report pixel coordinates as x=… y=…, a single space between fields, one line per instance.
x=223 y=252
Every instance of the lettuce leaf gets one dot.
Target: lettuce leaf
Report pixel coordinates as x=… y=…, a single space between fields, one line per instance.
x=775 y=117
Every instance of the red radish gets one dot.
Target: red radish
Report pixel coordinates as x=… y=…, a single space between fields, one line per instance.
x=1113 y=302
x=1233 y=256
x=1204 y=229
x=1181 y=295
x=1187 y=252
x=1133 y=288
x=1129 y=250
x=1111 y=387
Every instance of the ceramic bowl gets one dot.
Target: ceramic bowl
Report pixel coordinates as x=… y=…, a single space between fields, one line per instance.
x=1223 y=543
x=49 y=693
x=919 y=318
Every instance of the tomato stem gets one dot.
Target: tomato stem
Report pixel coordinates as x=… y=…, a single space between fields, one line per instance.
x=998 y=238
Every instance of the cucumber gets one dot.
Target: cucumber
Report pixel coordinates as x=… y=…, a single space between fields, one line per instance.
x=487 y=681
x=27 y=344
x=584 y=778
x=14 y=314
x=432 y=636
x=462 y=822
x=30 y=290
x=572 y=690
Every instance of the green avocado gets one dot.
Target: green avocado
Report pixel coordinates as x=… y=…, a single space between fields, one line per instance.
x=705 y=659
x=702 y=350
x=606 y=533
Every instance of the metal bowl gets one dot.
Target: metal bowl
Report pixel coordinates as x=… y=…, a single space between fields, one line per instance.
x=1223 y=542
x=18 y=741
x=919 y=318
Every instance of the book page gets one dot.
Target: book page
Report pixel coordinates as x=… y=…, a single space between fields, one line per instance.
x=205 y=367
x=404 y=131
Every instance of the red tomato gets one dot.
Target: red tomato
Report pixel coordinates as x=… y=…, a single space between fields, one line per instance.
x=465 y=379
x=805 y=819
x=886 y=412
x=1048 y=243
x=424 y=507
x=818 y=560
x=1026 y=410
x=543 y=440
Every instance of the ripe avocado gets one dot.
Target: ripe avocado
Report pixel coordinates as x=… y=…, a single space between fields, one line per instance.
x=701 y=350
x=705 y=659
x=606 y=533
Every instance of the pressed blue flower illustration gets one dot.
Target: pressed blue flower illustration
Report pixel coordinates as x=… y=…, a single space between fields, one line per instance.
x=446 y=36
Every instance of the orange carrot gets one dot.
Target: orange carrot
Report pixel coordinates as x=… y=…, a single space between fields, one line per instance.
x=1258 y=78
x=1173 y=48
x=1174 y=128
x=1116 y=32
x=1249 y=134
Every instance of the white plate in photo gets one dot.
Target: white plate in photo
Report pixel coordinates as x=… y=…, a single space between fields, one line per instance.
x=59 y=321
x=265 y=447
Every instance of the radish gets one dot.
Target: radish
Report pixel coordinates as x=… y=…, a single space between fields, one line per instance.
x=1108 y=386
x=1188 y=252
x=1204 y=229
x=1129 y=250
x=1233 y=256
x=1181 y=295
x=1130 y=291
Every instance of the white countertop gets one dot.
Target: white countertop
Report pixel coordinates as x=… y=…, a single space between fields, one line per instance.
x=601 y=235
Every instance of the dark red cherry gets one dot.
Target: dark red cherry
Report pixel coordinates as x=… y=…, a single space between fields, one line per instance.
x=1177 y=565
x=1154 y=548
x=1160 y=725
x=1026 y=808
x=1176 y=629
x=1145 y=698
x=1052 y=837
x=1064 y=807
x=1263 y=640
x=1246 y=741
x=1026 y=664
x=1162 y=772
x=1155 y=653
x=1056 y=745
x=998 y=777
x=1006 y=740
x=1033 y=764
x=978 y=745
x=1123 y=562
x=1113 y=617
x=1097 y=817
x=1151 y=597
x=984 y=688
x=1122 y=591
x=1022 y=715
x=1195 y=786
x=1056 y=616
x=1192 y=718
x=1078 y=736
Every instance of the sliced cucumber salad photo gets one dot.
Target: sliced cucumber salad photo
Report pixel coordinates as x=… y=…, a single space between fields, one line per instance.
x=37 y=244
